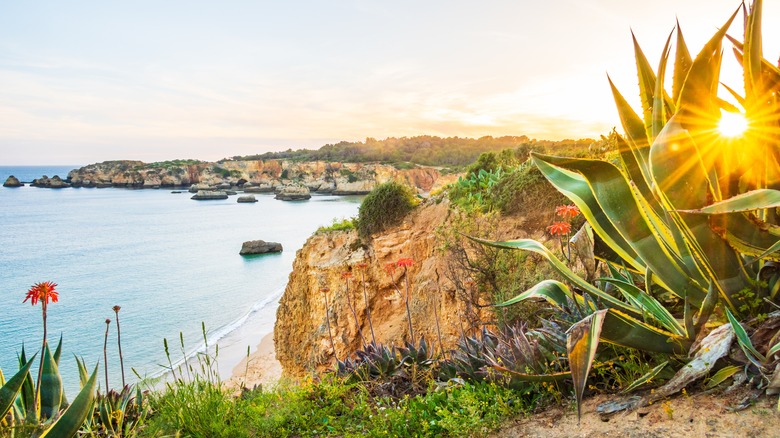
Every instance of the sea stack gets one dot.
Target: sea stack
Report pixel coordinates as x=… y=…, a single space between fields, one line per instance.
x=204 y=195
x=12 y=181
x=259 y=247
x=293 y=193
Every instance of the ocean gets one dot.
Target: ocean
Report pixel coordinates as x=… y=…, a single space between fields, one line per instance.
x=170 y=262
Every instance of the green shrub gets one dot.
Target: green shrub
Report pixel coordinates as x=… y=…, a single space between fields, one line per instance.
x=343 y=224
x=385 y=206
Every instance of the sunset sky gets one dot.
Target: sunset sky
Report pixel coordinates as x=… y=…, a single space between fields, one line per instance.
x=82 y=82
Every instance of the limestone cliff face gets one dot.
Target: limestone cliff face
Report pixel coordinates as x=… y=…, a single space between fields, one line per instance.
x=338 y=178
x=301 y=331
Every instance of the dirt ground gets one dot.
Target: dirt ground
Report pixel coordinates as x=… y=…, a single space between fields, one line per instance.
x=697 y=415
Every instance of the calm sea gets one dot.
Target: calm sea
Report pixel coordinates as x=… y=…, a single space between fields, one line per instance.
x=168 y=261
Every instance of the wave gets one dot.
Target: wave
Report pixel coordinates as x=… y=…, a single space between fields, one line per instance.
x=213 y=337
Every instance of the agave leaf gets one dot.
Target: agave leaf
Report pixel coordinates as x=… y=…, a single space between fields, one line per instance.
x=553 y=291
x=538 y=248
x=682 y=65
x=683 y=184
x=72 y=419
x=721 y=376
x=659 y=114
x=748 y=201
x=11 y=388
x=773 y=350
x=581 y=343
x=739 y=98
x=574 y=187
x=648 y=304
x=647 y=88
x=630 y=219
x=637 y=144
x=51 y=386
x=743 y=339
x=754 y=53
x=58 y=351
x=650 y=375
x=83 y=373
x=622 y=329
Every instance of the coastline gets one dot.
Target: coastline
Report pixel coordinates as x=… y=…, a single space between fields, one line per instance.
x=260 y=368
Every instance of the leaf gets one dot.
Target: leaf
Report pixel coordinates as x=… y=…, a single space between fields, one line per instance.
x=721 y=376
x=553 y=291
x=748 y=201
x=523 y=377
x=71 y=420
x=581 y=344
x=659 y=115
x=622 y=329
x=538 y=248
x=628 y=217
x=682 y=65
x=50 y=391
x=743 y=339
x=11 y=388
x=648 y=304
x=646 y=378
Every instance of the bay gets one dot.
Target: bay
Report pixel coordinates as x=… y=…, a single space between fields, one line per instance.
x=170 y=262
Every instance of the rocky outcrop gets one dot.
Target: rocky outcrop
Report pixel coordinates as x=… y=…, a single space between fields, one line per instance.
x=205 y=195
x=259 y=247
x=246 y=199
x=54 y=182
x=12 y=181
x=256 y=176
x=301 y=332
x=293 y=193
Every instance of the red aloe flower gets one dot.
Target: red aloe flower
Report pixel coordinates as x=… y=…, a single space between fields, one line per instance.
x=559 y=228
x=346 y=274
x=405 y=262
x=361 y=265
x=44 y=292
x=390 y=268
x=567 y=211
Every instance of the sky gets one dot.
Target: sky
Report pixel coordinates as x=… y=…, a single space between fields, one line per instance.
x=89 y=81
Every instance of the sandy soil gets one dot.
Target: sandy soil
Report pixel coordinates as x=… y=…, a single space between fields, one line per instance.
x=260 y=368
x=688 y=416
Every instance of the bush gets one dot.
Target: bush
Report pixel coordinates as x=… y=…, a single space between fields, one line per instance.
x=385 y=206
x=344 y=224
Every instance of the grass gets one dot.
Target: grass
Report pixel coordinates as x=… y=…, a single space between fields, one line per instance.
x=343 y=224
x=330 y=408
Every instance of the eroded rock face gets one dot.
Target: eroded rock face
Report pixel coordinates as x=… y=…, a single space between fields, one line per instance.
x=259 y=247
x=12 y=181
x=301 y=332
x=205 y=195
x=293 y=193
x=246 y=199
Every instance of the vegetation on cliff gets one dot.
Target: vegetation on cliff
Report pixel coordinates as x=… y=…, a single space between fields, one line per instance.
x=425 y=150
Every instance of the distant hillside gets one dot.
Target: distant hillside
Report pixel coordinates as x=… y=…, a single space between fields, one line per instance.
x=424 y=150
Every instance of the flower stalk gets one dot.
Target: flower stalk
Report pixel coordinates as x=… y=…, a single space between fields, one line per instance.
x=362 y=267
x=43 y=292
x=119 y=344
x=105 y=352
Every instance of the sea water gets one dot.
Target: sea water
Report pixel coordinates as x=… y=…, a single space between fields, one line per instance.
x=170 y=262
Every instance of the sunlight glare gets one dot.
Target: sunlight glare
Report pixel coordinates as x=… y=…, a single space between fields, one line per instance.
x=732 y=124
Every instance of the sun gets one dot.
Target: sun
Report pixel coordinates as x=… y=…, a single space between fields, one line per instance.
x=732 y=124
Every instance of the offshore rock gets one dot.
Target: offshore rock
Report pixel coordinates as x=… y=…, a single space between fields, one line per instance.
x=293 y=193
x=12 y=181
x=54 y=182
x=259 y=247
x=246 y=198
x=204 y=195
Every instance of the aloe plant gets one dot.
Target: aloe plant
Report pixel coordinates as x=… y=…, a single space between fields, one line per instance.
x=687 y=212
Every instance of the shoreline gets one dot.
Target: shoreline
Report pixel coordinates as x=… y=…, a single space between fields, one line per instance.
x=260 y=368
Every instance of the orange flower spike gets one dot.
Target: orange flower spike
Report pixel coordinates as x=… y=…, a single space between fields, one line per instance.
x=346 y=274
x=559 y=228
x=390 y=268
x=567 y=211
x=45 y=292
x=361 y=265
x=405 y=262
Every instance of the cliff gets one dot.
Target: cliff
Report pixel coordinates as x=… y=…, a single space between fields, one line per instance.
x=319 y=176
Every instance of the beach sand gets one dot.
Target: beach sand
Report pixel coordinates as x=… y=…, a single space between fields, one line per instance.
x=260 y=368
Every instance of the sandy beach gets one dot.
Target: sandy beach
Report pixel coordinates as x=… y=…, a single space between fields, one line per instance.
x=260 y=368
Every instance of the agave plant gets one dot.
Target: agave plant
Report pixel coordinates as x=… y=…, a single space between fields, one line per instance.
x=688 y=212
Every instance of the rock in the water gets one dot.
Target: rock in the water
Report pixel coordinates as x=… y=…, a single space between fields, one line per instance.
x=195 y=188
x=203 y=195
x=176 y=192
x=293 y=193
x=54 y=182
x=258 y=188
x=231 y=192
x=259 y=247
x=12 y=181
x=247 y=198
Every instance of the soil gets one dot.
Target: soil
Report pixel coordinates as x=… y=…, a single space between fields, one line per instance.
x=695 y=415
